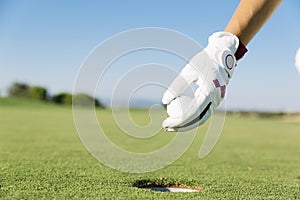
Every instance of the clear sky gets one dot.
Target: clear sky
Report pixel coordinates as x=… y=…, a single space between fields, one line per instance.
x=45 y=42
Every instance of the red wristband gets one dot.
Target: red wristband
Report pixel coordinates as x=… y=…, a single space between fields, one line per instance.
x=241 y=50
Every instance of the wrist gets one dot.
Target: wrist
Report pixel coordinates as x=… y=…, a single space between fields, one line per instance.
x=241 y=51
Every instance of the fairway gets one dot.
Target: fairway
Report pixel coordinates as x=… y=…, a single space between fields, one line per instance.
x=42 y=157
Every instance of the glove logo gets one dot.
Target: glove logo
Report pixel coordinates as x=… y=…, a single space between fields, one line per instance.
x=222 y=87
x=229 y=61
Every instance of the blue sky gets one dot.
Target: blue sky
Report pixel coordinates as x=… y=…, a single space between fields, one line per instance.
x=45 y=42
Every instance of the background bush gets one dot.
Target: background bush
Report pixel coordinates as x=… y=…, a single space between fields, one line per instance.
x=38 y=93
x=18 y=90
x=86 y=100
x=63 y=98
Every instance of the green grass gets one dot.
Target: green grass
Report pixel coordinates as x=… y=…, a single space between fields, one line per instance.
x=41 y=157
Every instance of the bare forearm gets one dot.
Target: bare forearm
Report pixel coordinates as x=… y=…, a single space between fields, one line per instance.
x=249 y=17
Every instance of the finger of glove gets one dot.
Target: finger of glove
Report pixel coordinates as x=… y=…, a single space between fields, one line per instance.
x=195 y=115
x=202 y=65
x=180 y=83
x=194 y=125
x=167 y=124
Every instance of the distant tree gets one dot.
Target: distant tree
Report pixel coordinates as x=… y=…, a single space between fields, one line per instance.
x=37 y=92
x=86 y=100
x=98 y=103
x=62 y=98
x=18 y=90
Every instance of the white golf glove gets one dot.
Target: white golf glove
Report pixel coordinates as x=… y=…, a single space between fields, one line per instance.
x=211 y=70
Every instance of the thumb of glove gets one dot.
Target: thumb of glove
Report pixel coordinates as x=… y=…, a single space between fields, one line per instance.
x=180 y=83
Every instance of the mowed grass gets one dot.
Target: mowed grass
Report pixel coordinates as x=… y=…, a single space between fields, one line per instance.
x=42 y=157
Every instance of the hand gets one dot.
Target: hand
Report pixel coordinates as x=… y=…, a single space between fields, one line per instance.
x=211 y=70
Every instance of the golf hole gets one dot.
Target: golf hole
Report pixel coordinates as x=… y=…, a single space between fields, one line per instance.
x=165 y=185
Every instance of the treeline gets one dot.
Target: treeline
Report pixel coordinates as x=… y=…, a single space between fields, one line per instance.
x=40 y=93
